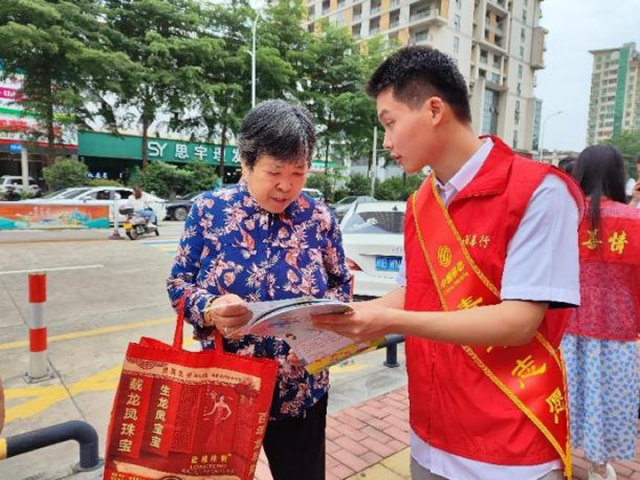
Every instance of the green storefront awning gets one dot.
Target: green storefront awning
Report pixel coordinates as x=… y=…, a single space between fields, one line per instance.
x=129 y=147
x=106 y=145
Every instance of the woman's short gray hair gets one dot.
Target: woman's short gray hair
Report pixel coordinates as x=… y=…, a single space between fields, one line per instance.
x=278 y=129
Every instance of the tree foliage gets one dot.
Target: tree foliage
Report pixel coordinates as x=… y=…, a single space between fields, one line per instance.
x=65 y=173
x=397 y=188
x=185 y=65
x=167 y=180
x=61 y=51
x=628 y=142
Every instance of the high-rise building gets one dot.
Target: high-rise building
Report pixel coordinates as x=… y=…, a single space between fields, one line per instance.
x=614 y=103
x=498 y=45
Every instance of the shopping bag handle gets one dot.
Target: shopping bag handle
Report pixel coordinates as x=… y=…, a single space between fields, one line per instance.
x=178 y=335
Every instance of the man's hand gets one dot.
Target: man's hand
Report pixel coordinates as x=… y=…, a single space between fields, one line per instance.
x=367 y=322
x=227 y=313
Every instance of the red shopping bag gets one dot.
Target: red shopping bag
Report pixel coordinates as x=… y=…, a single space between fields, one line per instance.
x=188 y=415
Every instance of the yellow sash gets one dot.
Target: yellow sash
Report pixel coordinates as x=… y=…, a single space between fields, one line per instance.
x=531 y=375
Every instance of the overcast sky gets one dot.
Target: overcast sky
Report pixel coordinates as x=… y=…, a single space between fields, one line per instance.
x=575 y=27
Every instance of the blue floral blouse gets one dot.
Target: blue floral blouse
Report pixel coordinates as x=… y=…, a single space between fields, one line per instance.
x=231 y=245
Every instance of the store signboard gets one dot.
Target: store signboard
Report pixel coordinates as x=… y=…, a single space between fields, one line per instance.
x=97 y=144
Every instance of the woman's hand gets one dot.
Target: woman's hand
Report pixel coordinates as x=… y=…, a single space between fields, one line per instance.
x=227 y=313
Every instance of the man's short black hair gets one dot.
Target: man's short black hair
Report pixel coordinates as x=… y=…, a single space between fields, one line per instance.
x=416 y=73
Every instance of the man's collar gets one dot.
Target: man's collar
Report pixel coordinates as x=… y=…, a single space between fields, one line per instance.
x=463 y=177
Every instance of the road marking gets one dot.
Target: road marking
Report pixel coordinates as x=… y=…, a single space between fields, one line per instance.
x=46 y=397
x=90 y=333
x=52 y=269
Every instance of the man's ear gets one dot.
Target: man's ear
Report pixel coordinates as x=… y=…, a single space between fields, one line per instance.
x=436 y=108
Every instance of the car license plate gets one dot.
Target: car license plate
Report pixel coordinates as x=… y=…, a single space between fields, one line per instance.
x=388 y=264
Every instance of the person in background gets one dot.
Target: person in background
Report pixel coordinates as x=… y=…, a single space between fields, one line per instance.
x=633 y=187
x=261 y=240
x=600 y=346
x=141 y=205
x=567 y=164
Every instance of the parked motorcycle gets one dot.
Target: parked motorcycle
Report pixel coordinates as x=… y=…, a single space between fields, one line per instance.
x=135 y=226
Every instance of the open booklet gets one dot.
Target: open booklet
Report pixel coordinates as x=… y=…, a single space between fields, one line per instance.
x=291 y=321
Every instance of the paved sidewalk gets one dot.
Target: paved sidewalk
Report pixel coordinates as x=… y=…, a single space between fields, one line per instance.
x=370 y=441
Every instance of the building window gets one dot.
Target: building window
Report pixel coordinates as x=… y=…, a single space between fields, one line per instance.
x=374 y=26
x=516 y=113
x=520 y=70
x=459 y=4
x=490 y=113
x=523 y=35
x=326 y=5
x=519 y=89
x=515 y=139
x=522 y=52
x=456 y=45
x=524 y=16
x=456 y=23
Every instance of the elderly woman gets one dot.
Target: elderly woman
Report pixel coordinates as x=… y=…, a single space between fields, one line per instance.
x=259 y=240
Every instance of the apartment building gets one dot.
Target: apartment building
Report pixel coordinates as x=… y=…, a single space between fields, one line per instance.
x=614 y=103
x=498 y=44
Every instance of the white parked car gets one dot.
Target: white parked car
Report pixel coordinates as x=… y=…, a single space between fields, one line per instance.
x=342 y=207
x=16 y=182
x=63 y=194
x=373 y=238
x=314 y=193
x=105 y=196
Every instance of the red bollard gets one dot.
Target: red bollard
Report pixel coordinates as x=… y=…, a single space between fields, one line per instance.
x=38 y=363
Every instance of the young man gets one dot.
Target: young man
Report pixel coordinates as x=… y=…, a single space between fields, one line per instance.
x=491 y=252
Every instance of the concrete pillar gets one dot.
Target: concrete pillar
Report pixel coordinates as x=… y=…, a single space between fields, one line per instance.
x=24 y=166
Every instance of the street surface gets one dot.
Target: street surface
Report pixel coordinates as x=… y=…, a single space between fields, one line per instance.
x=102 y=294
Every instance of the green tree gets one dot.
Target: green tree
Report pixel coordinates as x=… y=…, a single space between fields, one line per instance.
x=166 y=42
x=203 y=177
x=628 y=142
x=65 y=173
x=358 y=184
x=397 y=188
x=61 y=51
x=324 y=183
x=330 y=83
x=224 y=96
x=163 y=179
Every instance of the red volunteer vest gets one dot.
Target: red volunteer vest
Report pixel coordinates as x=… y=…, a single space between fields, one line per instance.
x=454 y=406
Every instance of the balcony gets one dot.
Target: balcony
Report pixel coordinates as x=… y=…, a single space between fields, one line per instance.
x=537 y=48
x=374 y=30
x=375 y=10
x=395 y=3
x=424 y=14
x=422 y=38
x=394 y=23
x=498 y=5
